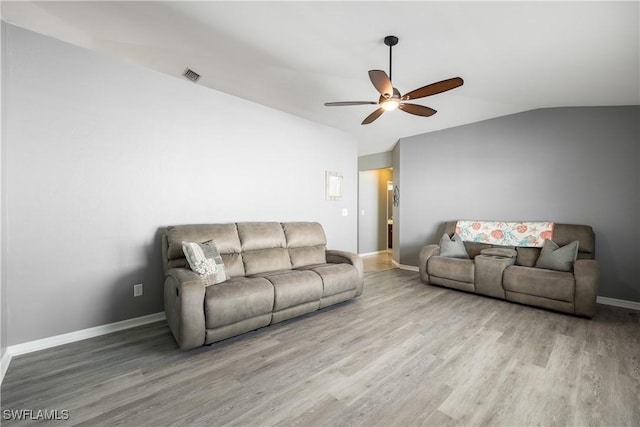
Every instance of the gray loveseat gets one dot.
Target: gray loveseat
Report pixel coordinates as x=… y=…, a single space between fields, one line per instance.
x=511 y=274
x=275 y=271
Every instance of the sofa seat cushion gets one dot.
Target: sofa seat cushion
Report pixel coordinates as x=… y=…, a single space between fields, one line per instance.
x=557 y=285
x=237 y=299
x=461 y=270
x=336 y=278
x=293 y=287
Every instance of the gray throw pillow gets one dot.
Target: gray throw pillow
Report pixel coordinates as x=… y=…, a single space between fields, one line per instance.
x=452 y=247
x=204 y=259
x=553 y=257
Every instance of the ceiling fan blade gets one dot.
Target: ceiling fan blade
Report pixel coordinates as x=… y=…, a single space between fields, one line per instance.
x=371 y=117
x=434 y=88
x=418 y=110
x=381 y=81
x=340 y=104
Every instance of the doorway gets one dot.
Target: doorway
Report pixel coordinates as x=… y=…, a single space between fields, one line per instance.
x=375 y=209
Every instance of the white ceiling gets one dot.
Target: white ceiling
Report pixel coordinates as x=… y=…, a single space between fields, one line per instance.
x=295 y=56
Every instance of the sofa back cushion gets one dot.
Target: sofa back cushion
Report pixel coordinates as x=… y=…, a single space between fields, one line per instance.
x=473 y=248
x=249 y=248
x=527 y=257
x=266 y=260
x=225 y=237
x=306 y=243
x=563 y=234
x=263 y=247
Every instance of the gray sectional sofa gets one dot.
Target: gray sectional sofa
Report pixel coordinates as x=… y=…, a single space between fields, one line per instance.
x=510 y=273
x=275 y=271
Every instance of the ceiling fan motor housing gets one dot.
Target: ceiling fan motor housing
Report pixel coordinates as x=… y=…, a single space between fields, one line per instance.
x=391 y=40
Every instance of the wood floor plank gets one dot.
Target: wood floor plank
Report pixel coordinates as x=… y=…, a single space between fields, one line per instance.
x=402 y=354
x=324 y=409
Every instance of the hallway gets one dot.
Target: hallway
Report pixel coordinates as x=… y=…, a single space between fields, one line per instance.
x=377 y=262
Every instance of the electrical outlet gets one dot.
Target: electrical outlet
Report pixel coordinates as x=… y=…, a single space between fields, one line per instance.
x=137 y=290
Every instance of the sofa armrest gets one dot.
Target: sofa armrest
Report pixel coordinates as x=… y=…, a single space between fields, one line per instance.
x=423 y=258
x=586 y=272
x=184 y=307
x=344 y=257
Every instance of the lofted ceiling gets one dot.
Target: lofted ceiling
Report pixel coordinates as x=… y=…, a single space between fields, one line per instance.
x=295 y=56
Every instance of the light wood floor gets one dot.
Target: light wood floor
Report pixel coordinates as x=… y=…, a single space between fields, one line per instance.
x=381 y=261
x=404 y=353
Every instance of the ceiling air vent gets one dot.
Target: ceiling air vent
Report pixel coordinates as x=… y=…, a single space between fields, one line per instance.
x=191 y=75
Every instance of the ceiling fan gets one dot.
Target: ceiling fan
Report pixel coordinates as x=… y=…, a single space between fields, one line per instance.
x=390 y=97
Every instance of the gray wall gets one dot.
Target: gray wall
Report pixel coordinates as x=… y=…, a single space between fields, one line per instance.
x=568 y=165
x=3 y=216
x=397 y=218
x=101 y=154
x=368 y=212
x=375 y=161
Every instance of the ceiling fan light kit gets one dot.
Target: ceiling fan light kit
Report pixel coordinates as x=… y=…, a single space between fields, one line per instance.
x=390 y=104
x=390 y=97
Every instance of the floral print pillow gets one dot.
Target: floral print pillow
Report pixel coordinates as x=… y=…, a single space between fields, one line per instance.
x=524 y=234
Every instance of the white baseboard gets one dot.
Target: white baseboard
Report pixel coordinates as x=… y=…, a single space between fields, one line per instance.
x=634 y=305
x=83 y=334
x=404 y=266
x=6 y=359
x=408 y=267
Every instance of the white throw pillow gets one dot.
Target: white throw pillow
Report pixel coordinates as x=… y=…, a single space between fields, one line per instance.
x=204 y=259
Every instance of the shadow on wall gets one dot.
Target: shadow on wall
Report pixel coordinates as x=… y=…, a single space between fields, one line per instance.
x=433 y=234
x=433 y=237
x=612 y=270
x=124 y=305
